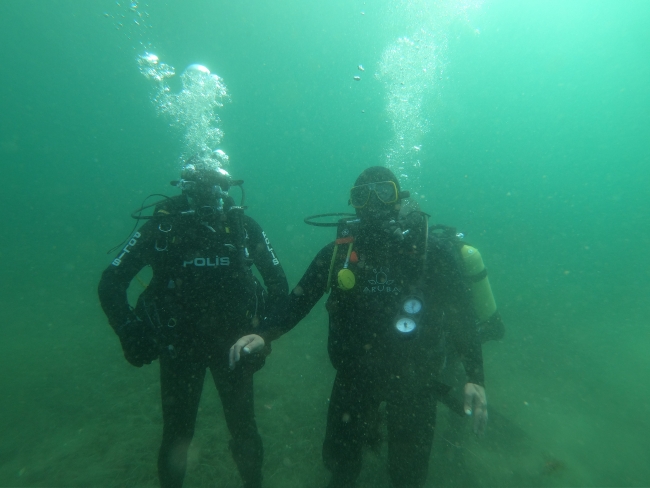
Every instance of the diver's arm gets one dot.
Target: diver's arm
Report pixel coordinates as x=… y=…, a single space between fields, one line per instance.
x=465 y=337
x=446 y=279
x=282 y=319
x=302 y=298
x=138 y=345
x=492 y=329
x=472 y=354
x=266 y=261
x=116 y=278
x=468 y=344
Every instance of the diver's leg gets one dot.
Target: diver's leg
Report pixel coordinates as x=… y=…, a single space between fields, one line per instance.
x=411 y=423
x=350 y=402
x=181 y=383
x=236 y=392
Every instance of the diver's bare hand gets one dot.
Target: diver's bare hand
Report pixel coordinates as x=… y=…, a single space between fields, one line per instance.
x=476 y=406
x=248 y=344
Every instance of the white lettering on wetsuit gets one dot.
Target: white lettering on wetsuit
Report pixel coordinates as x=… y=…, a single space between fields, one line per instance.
x=201 y=262
x=276 y=261
x=379 y=289
x=131 y=243
x=381 y=283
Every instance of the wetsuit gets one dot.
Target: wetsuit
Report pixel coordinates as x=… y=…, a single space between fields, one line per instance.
x=202 y=298
x=377 y=363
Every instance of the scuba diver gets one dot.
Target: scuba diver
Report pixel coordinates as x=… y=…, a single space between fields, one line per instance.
x=202 y=297
x=402 y=296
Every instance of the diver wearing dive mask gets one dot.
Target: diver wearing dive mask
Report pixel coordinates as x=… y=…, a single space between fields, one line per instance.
x=205 y=186
x=202 y=296
x=376 y=196
x=385 y=191
x=394 y=303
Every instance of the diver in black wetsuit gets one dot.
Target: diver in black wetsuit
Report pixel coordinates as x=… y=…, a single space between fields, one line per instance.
x=399 y=299
x=202 y=297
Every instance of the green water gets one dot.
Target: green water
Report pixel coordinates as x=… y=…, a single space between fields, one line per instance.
x=536 y=148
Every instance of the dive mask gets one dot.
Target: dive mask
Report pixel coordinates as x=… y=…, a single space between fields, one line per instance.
x=386 y=192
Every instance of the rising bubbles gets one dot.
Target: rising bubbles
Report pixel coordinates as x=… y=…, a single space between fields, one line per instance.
x=194 y=109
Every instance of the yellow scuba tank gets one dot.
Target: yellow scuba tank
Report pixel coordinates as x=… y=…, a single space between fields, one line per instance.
x=480 y=289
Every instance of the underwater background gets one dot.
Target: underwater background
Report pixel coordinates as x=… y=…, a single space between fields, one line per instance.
x=524 y=124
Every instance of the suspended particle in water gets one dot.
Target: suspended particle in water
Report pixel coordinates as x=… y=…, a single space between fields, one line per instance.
x=360 y=67
x=357 y=78
x=417 y=148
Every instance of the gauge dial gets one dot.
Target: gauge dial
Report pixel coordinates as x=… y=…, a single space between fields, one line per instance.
x=405 y=325
x=412 y=305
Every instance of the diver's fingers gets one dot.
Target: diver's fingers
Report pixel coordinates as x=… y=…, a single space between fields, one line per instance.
x=255 y=344
x=475 y=394
x=233 y=356
x=474 y=397
x=479 y=399
x=480 y=419
x=469 y=398
x=235 y=351
x=247 y=344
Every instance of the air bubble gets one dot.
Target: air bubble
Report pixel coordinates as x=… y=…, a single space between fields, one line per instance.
x=411 y=68
x=193 y=108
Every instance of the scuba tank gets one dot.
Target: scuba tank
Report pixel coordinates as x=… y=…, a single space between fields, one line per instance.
x=479 y=284
x=489 y=324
